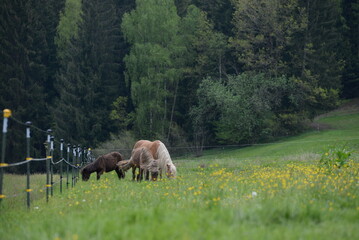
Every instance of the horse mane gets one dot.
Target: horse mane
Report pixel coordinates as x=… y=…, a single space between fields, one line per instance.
x=165 y=160
x=163 y=154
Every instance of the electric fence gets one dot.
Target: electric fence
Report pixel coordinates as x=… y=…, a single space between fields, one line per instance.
x=75 y=159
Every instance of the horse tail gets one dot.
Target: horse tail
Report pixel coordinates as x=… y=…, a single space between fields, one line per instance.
x=126 y=166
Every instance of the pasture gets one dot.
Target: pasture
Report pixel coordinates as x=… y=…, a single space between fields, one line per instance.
x=269 y=191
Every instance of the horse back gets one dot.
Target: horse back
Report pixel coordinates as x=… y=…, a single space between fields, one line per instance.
x=136 y=156
x=109 y=161
x=151 y=146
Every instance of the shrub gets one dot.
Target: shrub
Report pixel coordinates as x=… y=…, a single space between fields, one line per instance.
x=335 y=157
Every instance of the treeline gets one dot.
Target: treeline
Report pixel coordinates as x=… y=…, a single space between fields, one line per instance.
x=185 y=71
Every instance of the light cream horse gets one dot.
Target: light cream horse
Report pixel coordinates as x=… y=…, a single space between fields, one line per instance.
x=141 y=158
x=159 y=152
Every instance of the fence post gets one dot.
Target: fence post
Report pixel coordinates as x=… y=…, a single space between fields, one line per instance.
x=89 y=155
x=48 y=158
x=78 y=162
x=84 y=158
x=7 y=114
x=61 y=157
x=52 y=164
x=74 y=164
x=67 y=165
x=83 y=150
x=28 y=158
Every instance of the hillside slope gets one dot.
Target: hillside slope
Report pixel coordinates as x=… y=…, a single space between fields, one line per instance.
x=336 y=128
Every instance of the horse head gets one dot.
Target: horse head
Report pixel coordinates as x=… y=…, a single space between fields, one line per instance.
x=85 y=174
x=171 y=170
x=154 y=169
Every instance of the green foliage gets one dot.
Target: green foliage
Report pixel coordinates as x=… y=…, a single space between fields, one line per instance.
x=63 y=66
x=351 y=35
x=315 y=100
x=324 y=34
x=67 y=29
x=219 y=12
x=89 y=77
x=248 y=108
x=335 y=157
x=205 y=55
x=263 y=33
x=153 y=66
x=119 y=113
x=26 y=66
x=314 y=50
x=205 y=46
x=202 y=117
x=122 y=142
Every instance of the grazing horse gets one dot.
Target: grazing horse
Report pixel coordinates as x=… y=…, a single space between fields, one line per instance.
x=104 y=163
x=141 y=158
x=160 y=153
x=127 y=164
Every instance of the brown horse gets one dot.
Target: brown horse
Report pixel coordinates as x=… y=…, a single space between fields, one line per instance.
x=160 y=153
x=104 y=163
x=141 y=158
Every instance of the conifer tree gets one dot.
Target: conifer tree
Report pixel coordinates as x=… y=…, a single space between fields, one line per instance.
x=220 y=13
x=25 y=63
x=351 y=68
x=89 y=79
x=324 y=38
x=263 y=32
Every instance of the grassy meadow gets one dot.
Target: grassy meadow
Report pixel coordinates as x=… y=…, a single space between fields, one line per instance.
x=268 y=191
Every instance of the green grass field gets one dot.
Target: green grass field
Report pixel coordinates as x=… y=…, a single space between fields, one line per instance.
x=269 y=191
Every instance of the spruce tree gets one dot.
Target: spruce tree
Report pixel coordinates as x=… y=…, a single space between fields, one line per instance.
x=89 y=79
x=219 y=12
x=351 y=68
x=26 y=66
x=263 y=32
x=325 y=40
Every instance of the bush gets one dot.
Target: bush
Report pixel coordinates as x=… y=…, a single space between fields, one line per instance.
x=248 y=107
x=122 y=143
x=335 y=157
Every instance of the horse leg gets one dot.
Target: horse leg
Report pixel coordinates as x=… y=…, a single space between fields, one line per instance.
x=147 y=176
x=99 y=173
x=160 y=170
x=139 y=175
x=133 y=173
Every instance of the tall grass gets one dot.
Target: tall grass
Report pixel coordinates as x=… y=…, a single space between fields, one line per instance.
x=14 y=186
x=273 y=191
x=287 y=201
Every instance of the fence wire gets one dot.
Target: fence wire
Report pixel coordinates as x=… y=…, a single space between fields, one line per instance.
x=79 y=156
